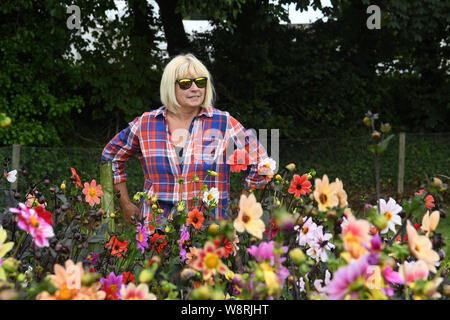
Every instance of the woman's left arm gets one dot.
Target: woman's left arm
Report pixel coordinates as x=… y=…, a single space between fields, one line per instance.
x=245 y=139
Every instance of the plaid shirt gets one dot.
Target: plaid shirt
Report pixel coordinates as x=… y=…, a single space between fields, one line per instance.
x=211 y=134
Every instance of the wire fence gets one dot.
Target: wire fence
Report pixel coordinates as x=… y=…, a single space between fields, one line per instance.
x=348 y=159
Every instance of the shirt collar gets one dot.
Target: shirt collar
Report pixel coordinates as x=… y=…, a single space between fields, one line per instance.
x=205 y=111
x=161 y=110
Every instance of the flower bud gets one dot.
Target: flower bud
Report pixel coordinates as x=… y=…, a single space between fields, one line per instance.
x=146 y=276
x=10 y=264
x=385 y=127
x=87 y=279
x=201 y=293
x=181 y=206
x=229 y=275
x=376 y=135
x=367 y=122
x=6 y=121
x=156 y=260
x=217 y=294
x=259 y=274
x=21 y=277
x=213 y=229
x=196 y=179
x=187 y=273
x=137 y=197
x=291 y=279
x=290 y=167
x=332 y=214
x=447 y=290
x=62 y=186
x=212 y=173
x=297 y=256
x=437 y=182
x=380 y=221
x=287 y=225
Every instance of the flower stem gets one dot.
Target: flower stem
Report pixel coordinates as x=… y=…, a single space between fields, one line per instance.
x=20 y=242
x=377 y=179
x=290 y=204
x=307 y=286
x=406 y=284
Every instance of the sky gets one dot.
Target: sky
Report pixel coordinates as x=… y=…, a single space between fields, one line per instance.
x=199 y=25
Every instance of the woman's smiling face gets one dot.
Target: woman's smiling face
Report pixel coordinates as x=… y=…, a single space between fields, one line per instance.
x=192 y=97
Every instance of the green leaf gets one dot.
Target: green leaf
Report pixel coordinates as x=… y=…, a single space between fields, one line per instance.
x=383 y=145
x=100 y=235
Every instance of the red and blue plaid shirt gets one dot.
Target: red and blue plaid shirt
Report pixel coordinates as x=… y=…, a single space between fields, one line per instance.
x=211 y=134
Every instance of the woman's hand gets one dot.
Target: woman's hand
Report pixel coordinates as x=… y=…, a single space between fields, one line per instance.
x=130 y=212
x=245 y=192
x=129 y=209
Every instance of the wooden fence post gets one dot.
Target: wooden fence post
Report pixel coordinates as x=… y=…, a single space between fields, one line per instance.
x=401 y=163
x=15 y=163
x=107 y=200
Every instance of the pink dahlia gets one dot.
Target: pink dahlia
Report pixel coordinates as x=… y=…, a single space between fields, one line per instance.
x=141 y=238
x=183 y=239
x=262 y=252
x=112 y=285
x=93 y=192
x=34 y=225
x=344 y=277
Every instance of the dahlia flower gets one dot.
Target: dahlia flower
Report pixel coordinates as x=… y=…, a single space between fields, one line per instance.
x=430 y=222
x=341 y=285
x=34 y=225
x=390 y=210
x=132 y=292
x=421 y=247
x=93 y=192
x=325 y=193
x=249 y=217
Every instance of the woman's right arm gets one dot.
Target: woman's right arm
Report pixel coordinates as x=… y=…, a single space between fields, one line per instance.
x=118 y=151
x=129 y=209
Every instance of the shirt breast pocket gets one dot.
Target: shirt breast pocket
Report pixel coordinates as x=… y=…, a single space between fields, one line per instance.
x=210 y=149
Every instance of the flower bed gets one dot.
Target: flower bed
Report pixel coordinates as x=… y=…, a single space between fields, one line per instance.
x=297 y=238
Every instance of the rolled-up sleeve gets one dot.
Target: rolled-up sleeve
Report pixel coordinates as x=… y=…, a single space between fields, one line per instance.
x=246 y=139
x=124 y=145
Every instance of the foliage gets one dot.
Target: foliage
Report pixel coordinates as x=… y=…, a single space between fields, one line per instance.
x=34 y=42
x=318 y=76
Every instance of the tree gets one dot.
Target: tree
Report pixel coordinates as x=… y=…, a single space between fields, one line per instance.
x=36 y=78
x=122 y=71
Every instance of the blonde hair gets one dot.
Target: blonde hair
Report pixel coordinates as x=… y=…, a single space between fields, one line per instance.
x=180 y=67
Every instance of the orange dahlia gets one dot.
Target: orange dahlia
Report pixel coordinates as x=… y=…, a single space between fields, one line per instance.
x=195 y=218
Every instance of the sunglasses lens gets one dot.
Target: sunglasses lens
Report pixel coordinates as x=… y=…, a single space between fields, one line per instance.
x=201 y=82
x=185 y=83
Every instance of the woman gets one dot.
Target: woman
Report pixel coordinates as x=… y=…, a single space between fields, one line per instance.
x=184 y=139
